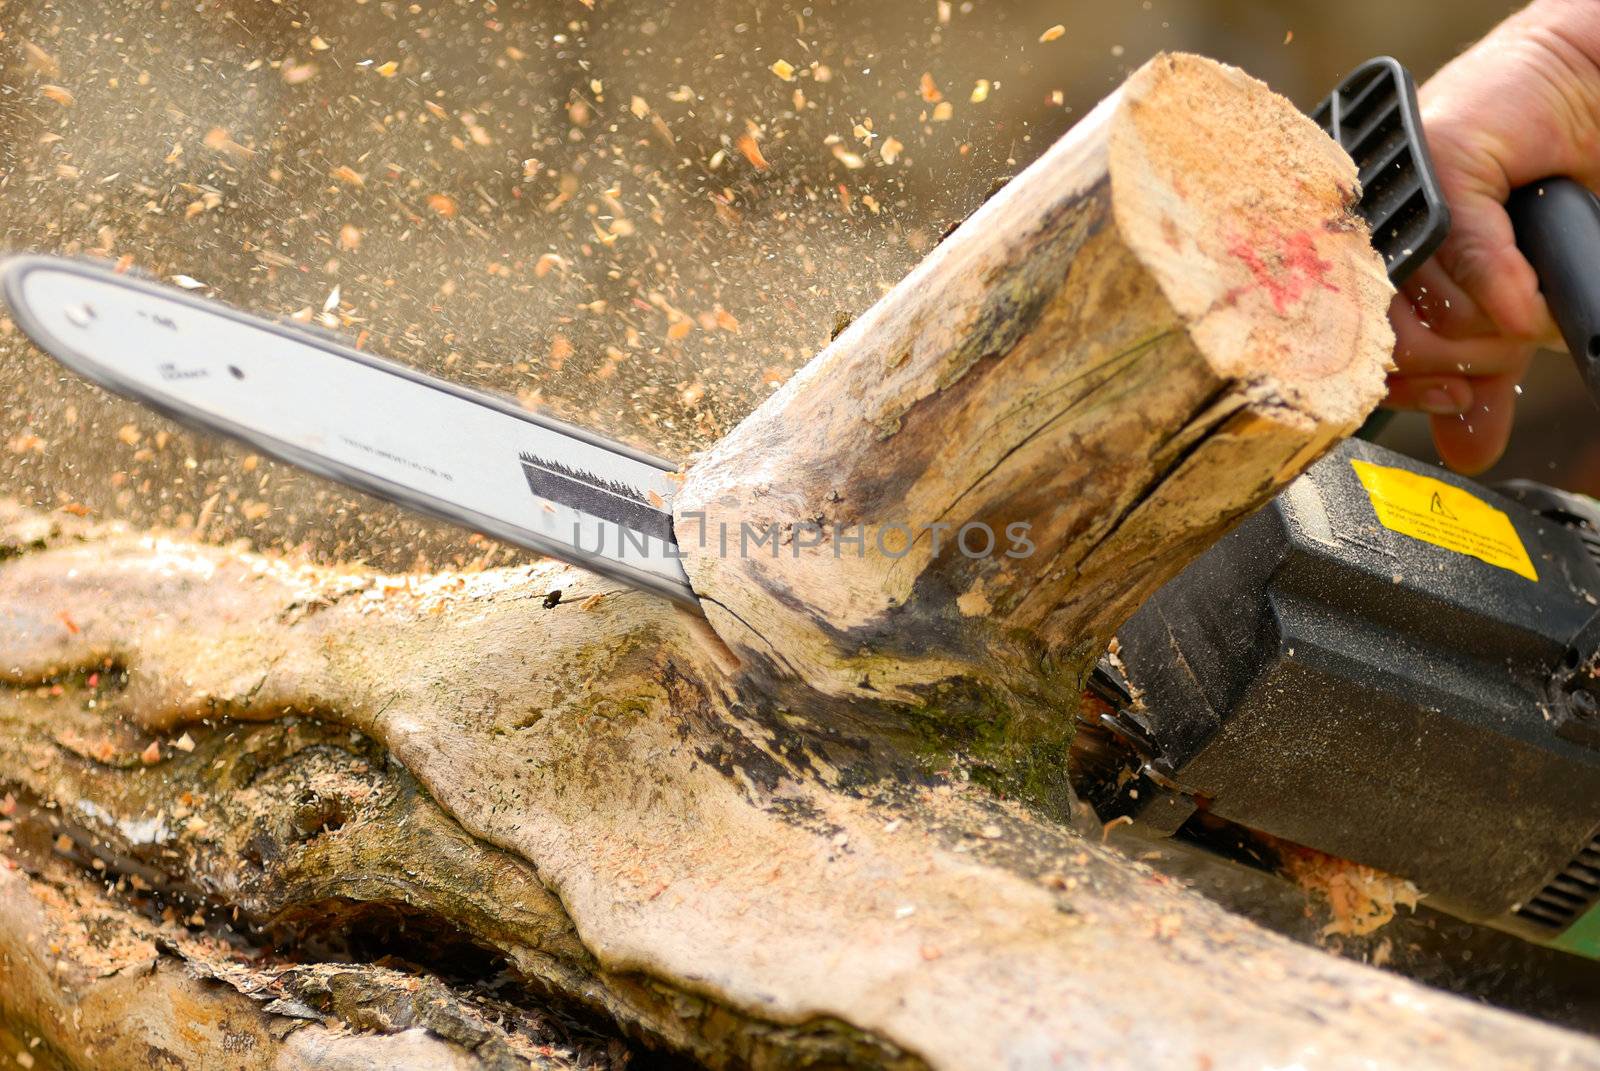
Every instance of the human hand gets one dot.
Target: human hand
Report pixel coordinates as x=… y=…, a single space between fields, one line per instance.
x=1521 y=105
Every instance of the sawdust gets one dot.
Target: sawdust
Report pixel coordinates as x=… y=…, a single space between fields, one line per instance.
x=1359 y=899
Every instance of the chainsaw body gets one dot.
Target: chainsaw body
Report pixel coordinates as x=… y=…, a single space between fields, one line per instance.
x=1392 y=665
x=1389 y=663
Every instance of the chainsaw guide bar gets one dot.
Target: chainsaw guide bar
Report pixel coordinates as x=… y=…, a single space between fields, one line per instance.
x=424 y=443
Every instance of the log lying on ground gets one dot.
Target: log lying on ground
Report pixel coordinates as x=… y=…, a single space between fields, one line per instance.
x=574 y=791
x=773 y=840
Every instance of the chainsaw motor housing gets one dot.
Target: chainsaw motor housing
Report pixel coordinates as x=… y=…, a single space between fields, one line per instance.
x=1392 y=665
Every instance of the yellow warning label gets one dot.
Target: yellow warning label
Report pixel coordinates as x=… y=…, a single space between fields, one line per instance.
x=1435 y=512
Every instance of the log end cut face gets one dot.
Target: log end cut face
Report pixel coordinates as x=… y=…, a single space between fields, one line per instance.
x=1242 y=209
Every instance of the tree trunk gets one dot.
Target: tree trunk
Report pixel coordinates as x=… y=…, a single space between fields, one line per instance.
x=270 y=815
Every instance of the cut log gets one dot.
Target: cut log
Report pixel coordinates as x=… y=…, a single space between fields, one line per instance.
x=1138 y=340
x=380 y=813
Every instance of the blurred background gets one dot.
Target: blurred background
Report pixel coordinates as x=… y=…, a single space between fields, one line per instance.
x=643 y=216
x=640 y=215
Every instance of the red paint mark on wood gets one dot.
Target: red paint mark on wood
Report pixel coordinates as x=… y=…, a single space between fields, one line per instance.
x=1302 y=256
x=1285 y=266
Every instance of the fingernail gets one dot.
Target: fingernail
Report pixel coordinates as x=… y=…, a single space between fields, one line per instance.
x=1439 y=402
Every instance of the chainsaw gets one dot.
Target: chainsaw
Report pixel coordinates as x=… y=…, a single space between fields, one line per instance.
x=1388 y=664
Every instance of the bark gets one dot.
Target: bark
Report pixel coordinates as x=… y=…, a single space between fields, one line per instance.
x=343 y=817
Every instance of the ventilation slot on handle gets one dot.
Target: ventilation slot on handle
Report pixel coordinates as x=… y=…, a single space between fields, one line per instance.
x=1373 y=116
x=1569 y=894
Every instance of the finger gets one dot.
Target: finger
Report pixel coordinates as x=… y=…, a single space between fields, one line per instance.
x=1482 y=257
x=1442 y=306
x=1420 y=350
x=1475 y=440
x=1435 y=395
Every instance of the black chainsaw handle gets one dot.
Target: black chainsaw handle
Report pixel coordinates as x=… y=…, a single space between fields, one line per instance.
x=1557 y=223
